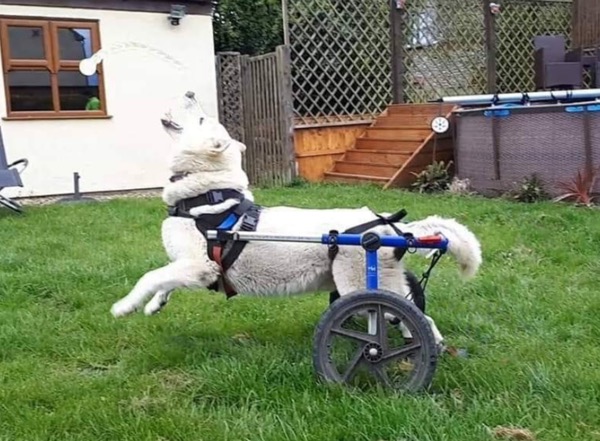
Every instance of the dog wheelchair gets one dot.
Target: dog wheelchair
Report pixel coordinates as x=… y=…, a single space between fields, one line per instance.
x=370 y=336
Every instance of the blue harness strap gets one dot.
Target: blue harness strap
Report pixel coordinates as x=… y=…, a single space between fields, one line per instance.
x=229 y=222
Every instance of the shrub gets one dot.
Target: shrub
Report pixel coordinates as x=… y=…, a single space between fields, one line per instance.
x=435 y=178
x=580 y=189
x=530 y=189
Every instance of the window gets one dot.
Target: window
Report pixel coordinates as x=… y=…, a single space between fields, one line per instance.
x=40 y=61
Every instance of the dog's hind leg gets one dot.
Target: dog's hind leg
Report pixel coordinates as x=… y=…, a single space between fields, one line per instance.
x=185 y=273
x=437 y=335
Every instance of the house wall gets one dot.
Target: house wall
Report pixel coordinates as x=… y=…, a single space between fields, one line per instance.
x=128 y=150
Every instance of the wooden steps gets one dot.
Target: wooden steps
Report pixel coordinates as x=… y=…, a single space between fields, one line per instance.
x=353 y=179
x=400 y=145
x=400 y=141
x=391 y=157
x=420 y=121
x=406 y=133
x=365 y=168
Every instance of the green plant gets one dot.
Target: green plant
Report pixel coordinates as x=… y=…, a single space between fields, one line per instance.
x=530 y=189
x=580 y=189
x=435 y=178
x=298 y=181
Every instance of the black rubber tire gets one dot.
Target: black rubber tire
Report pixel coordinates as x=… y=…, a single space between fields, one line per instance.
x=427 y=354
x=413 y=283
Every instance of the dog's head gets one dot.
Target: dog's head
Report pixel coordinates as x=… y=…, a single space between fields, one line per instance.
x=201 y=142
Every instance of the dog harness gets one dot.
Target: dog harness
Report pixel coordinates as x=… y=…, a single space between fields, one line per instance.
x=223 y=252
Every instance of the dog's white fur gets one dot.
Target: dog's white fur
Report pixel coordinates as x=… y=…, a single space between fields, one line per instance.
x=208 y=158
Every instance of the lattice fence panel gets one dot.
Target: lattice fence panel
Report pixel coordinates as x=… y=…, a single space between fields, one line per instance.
x=340 y=53
x=516 y=26
x=586 y=24
x=229 y=81
x=444 y=51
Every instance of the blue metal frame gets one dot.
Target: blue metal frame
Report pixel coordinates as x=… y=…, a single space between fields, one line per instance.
x=372 y=259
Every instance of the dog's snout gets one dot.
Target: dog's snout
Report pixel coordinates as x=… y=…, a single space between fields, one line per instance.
x=189 y=94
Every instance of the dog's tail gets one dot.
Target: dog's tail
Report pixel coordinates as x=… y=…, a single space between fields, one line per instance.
x=462 y=243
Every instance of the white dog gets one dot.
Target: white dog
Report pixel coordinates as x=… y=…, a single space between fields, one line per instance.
x=206 y=158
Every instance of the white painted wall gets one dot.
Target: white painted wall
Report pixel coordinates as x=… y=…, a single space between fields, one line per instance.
x=129 y=150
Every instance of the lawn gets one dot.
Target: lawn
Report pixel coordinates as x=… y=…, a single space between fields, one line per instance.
x=211 y=369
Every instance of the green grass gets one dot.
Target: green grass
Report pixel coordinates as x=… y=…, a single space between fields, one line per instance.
x=211 y=369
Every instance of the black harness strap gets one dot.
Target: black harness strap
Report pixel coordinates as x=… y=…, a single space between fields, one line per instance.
x=249 y=223
x=182 y=208
x=397 y=217
x=222 y=252
x=226 y=252
x=239 y=210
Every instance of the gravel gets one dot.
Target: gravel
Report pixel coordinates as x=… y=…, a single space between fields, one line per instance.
x=46 y=200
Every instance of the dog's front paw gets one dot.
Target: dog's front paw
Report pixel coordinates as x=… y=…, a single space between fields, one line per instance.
x=157 y=303
x=153 y=306
x=122 y=308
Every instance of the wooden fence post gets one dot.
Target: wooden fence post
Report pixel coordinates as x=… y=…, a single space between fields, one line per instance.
x=396 y=42
x=220 y=93
x=284 y=75
x=490 y=45
x=248 y=161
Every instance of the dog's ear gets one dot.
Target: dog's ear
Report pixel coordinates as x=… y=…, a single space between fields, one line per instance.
x=241 y=146
x=218 y=146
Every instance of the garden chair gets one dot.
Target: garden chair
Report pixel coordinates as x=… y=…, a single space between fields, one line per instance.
x=10 y=176
x=555 y=68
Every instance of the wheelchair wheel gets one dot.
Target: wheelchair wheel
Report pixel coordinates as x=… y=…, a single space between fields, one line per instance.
x=357 y=344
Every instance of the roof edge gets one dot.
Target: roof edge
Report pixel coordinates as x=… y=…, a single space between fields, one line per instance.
x=193 y=7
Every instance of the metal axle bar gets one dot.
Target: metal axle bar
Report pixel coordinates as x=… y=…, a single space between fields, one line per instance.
x=431 y=242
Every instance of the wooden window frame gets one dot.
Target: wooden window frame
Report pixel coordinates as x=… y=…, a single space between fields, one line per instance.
x=52 y=63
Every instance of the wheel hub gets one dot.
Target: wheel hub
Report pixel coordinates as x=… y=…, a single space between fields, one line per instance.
x=373 y=352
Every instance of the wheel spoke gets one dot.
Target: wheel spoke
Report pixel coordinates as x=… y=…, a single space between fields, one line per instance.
x=381 y=328
x=401 y=352
x=354 y=335
x=381 y=375
x=354 y=364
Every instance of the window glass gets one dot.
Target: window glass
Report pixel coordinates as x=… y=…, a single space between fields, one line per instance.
x=78 y=92
x=26 y=43
x=30 y=90
x=74 y=43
